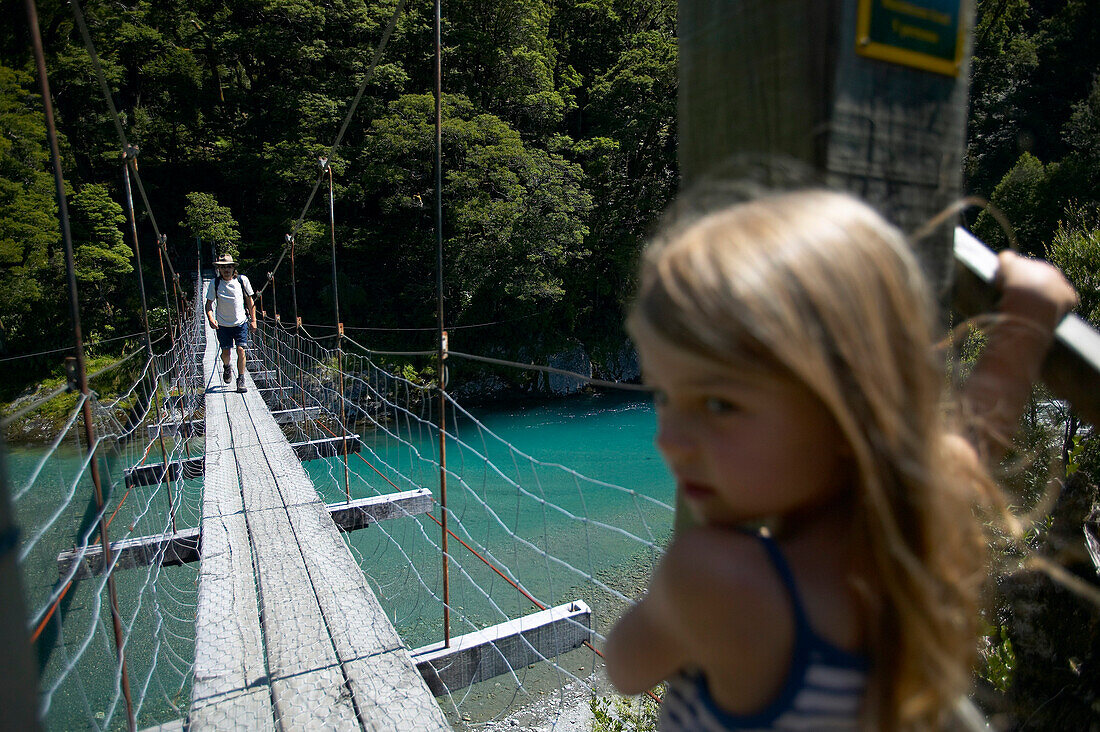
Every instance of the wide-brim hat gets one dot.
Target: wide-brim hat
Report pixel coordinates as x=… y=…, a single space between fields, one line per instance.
x=224 y=260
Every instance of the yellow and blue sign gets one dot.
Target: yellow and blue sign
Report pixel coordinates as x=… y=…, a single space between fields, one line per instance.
x=924 y=34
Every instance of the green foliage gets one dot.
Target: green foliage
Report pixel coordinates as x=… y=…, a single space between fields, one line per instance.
x=967 y=345
x=30 y=236
x=515 y=216
x=1075 y=249
x=624 y=714
x=1082 y=132
x=997 y=659
x=1035 y=96
x=102 y=258
x=212 y=223
x=1019 y=195
x=552 y=106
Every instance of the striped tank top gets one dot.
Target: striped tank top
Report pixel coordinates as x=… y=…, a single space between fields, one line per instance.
x=824 y=688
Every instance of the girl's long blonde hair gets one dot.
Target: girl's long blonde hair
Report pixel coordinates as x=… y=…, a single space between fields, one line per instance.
x=816 y=286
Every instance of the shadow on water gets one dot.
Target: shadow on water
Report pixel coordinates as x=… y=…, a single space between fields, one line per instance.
x=46 y=643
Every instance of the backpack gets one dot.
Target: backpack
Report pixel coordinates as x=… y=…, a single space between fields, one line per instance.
x=236 y=276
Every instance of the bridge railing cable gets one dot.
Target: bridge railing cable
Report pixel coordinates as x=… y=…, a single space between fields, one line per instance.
x=65 y=615
x=69 y=616
x=531 y=533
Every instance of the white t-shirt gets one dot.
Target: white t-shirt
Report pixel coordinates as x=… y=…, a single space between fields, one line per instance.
x=228 y=299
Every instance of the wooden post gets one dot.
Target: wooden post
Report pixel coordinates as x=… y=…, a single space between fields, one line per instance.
x=837 y=93
x=867 y=96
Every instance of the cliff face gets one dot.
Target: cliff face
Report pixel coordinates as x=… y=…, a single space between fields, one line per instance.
x=473 y=381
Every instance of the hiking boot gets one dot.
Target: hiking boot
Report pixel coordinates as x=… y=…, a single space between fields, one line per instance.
x=227 y=374
x=240 y=385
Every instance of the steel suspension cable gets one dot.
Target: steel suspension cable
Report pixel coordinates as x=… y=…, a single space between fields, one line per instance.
x=343 y=130
x=78 y=342
x=127 y=162
x=450 y=533
x=326 y=167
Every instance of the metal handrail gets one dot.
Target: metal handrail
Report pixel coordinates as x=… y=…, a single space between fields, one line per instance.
x=1072 y=368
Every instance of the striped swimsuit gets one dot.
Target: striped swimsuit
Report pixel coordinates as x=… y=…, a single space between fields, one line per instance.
x=824 y=687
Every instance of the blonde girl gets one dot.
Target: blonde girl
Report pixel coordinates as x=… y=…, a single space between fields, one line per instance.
x=789 y=343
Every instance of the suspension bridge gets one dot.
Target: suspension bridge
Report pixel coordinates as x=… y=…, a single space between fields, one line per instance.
x=287 y=631
x=282 y=628
x=281 y=557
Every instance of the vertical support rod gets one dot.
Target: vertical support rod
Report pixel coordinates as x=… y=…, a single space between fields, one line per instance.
x=297 y=320
x=332 y=221
x=339 y=327
x=274 y=299
x=293 y=283
x=167 y=304
x=78 y=342
x=439 y=297
x=129 y=160
x=343 y=412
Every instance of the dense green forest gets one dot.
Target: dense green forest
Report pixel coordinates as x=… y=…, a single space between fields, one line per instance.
x=559 y=137
x=559 y=155
x=559 y=141
x=558 y=144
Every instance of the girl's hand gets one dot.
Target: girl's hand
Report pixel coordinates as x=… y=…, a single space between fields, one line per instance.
x=1033 y=291
x=1035 y=297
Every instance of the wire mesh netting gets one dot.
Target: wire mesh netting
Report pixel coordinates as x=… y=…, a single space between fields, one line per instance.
x=68 y=595
x=284 y=622
x=524 y=533
x=314 y=626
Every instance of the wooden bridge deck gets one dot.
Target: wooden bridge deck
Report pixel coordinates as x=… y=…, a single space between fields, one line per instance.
x=288 y=633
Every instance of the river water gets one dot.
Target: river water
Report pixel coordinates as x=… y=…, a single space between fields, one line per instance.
x=569 y=503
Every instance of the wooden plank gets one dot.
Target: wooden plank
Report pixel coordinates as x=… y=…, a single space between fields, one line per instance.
x=326 y=447
x=331 y=654
x=391 y=695
x=295 y=415
x=194 y=467
x=362 y=512
x=186 y=546
x=177 y=725
x=249 y=709
x=186 y=428
x=136 y=551
x=154 y=474
x=305 y=676
x=230 y=677
x=306 y=680
x=505 y=647
x=363 y=639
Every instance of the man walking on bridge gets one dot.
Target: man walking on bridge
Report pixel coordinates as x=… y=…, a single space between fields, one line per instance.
x=233 y=294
